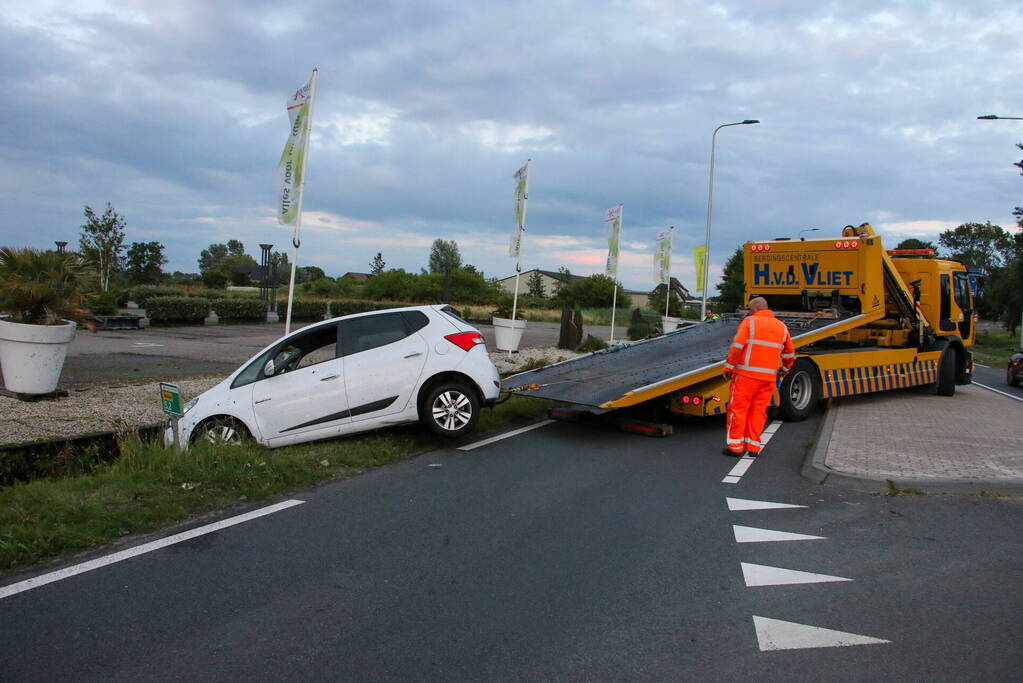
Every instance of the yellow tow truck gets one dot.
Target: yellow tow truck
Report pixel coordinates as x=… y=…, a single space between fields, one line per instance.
x=862 y=320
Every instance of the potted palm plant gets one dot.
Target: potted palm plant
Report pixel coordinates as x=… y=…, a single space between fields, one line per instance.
x=41 y=295
x=508 y=331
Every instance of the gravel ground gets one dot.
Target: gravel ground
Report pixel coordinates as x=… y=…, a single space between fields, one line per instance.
x=114 y=407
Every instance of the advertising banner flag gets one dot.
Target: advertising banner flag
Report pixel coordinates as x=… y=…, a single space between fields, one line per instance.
x=699 y=258
x=613 y=227
x=291 y=166
x=521 y=195
x=662 y=254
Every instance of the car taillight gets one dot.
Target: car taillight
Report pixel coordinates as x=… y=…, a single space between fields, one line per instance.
x=465 y=340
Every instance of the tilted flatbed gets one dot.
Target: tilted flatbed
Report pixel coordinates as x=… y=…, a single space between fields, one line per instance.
x=634 y=373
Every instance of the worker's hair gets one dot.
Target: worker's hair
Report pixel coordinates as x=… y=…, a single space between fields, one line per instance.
x=757 y=303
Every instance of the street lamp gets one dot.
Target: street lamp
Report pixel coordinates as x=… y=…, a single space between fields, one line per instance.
x=800 y=233
x=710 y=201
x=995 y=117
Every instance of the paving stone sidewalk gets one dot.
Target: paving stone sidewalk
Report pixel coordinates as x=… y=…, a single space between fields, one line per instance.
x=967 y=443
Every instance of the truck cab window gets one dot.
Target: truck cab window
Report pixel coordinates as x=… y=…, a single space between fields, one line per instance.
x=945 y=304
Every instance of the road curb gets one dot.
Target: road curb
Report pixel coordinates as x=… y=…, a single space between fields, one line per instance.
x=816 y=469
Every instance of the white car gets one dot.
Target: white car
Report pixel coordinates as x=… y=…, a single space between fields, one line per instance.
x=351 y=374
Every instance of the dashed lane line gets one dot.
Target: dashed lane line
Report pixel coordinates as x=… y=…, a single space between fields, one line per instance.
x=735 y=476
x=74 y=570
x=506 y=435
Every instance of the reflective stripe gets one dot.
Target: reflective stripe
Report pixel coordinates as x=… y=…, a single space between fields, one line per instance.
x=738 y=345
x=773 y=345
x=769 y=371
x=751 y=442
x=733 y=441
x=752 y=336
x=788 y=355
x=728 y=366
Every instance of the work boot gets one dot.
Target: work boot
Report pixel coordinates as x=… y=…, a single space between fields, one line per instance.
x=728 y=451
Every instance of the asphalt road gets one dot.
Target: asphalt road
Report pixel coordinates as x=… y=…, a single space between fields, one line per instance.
x=564 y=553
x=994 y=378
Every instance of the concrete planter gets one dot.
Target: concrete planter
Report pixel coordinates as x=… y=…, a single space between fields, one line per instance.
x=32 y=356
x=669 y=324
x=508 y=333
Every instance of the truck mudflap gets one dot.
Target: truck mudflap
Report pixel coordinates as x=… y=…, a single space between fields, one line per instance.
x=629 y=374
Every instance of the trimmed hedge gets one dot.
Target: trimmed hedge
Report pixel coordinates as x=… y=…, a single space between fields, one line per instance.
x=177 y=309
x=303 y=309
x=143 y=293
x=232 y=309
x=339 y=307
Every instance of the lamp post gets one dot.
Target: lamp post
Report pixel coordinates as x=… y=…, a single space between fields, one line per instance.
x=800 y=233
x=996 y=117
x=710 y=202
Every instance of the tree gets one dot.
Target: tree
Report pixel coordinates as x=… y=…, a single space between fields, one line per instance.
x=377 y=265
x=235 y=248
x=978 y=245
x=444 y=259
x=211 y=257
x=535 y=285
x=308 y=274
x=143 y=263
x=595 y=291
x=102 y=242
x=914 y=243
x=280 y=268
x=732 y=285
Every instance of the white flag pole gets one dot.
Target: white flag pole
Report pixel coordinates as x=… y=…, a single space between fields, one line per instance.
x=518 y=252
x=615 y=237
x=667 y=284
x=295 y=241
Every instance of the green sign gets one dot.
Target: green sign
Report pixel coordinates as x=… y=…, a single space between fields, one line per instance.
x=171 y=396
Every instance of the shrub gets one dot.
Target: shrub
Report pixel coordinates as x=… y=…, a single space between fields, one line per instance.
x=637 y=331
x=166 y=309
x=104 y=303
x=303 y=309
x=592 y=344
x=143 y=293
x=238 y=308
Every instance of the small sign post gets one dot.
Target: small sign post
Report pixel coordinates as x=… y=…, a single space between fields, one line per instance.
x=170 y=394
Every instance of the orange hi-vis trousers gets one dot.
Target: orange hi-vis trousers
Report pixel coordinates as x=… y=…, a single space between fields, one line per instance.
x=747 y=413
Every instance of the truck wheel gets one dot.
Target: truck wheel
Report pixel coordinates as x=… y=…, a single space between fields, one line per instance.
x=946 y=384
x=800 y=391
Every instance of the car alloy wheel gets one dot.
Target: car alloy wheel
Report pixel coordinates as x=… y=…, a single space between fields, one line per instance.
x=452 y=409
x=222 y=431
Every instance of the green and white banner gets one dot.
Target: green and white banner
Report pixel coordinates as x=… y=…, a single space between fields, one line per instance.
x=662 y=255
x=613 y=227
x=699 y=259
x=291 y=167
x=521 y=195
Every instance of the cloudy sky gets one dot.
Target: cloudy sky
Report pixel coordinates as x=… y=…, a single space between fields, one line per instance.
x=174 y=112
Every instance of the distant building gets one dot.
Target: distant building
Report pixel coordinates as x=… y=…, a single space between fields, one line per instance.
x=358 y=277
x=551 y=281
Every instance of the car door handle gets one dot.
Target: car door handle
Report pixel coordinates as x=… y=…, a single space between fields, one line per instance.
x=262 y=400
x=413 y=355
x=324 y=379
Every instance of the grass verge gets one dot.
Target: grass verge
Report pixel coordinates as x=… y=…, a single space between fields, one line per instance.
x=994 y=347
x=147 y=487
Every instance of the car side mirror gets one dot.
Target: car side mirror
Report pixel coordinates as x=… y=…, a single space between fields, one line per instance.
x=269 y=368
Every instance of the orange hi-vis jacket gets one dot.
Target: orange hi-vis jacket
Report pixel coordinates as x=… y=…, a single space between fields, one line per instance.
x=760 y=347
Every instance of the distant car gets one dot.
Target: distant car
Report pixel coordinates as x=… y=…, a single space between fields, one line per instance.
x=351 y=374
x=1014 y=371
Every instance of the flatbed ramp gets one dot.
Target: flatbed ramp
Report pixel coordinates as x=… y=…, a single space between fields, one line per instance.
x=635 y=372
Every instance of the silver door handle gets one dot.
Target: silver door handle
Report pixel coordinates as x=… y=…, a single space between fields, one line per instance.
x=324 y=379
x=413 y=355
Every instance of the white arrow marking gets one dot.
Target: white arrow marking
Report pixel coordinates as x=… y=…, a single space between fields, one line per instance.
x=749 y=534
x=773 y=634
x=762 y=575
x=743 y=504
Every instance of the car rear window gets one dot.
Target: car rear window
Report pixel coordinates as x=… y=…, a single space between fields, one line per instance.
x=454 y=314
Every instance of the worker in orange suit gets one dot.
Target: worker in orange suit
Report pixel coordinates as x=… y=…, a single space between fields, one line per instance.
x=762 y=349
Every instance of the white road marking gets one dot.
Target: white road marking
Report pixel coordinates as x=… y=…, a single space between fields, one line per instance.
x=981 y=365
x=1014 y=398
x=146 y=344
x=506 y=435
x=749 y=534
x=735 y=476
x=774 y=634
x=67 y=572
x=762 y=575
x=743 y=504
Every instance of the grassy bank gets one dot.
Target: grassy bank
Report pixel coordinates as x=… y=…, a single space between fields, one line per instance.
x=994 y=347
x=147 y=487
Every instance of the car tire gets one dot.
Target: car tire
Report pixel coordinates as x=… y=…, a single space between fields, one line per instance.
x=1010 y=377
x=451 y=409
x=800 y=391
x=221 y=430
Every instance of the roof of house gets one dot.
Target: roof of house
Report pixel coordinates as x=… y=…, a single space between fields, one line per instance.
x=553 y=274
x=356 y=276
